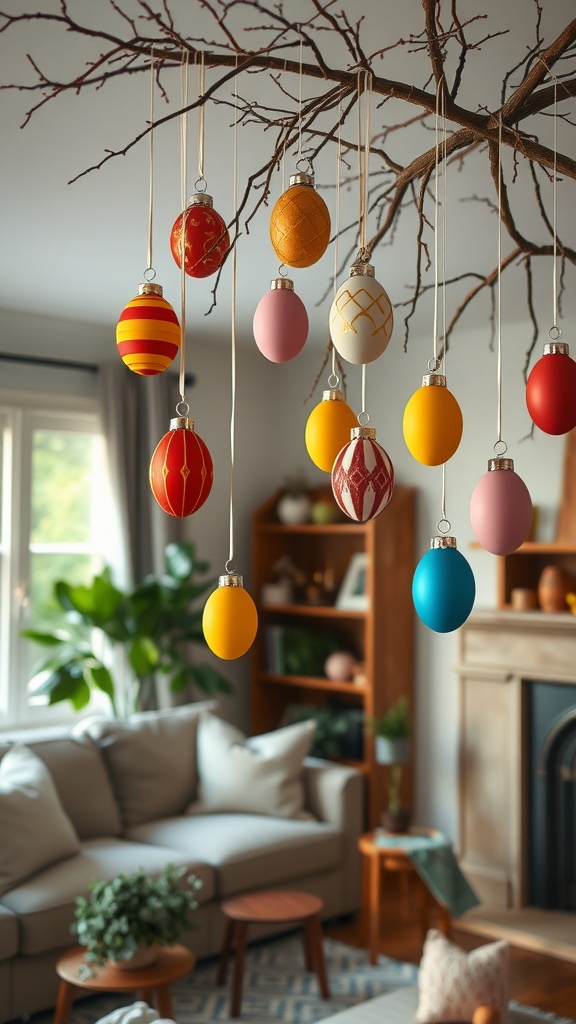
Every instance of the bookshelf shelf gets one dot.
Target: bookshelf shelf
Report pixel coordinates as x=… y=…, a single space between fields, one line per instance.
x=380 y=638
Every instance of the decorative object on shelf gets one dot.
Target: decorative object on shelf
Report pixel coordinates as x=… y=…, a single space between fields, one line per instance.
x=280 y=324
x=432 y=423
x=281 y=592
x=551 y=384
x=325 y=511
x=554 y=585
x=149 y=628
x=295 y=504
x=328 y=428
x=523 y=599
x=125 y=920
x=361 y=318
x=148 y=331
x=501 y=508
x=353 y=593
x=391 y=732
x=340 y=666
x=363 y=476
x=230 y=619
x=181 y=470
x=300 y=223
x=443 y=587
x=299 y=650
x=331 y=727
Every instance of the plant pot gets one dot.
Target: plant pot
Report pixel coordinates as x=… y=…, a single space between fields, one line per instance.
x=294 y=509
x=395 y=821
x=395 y=751
x=143 y=957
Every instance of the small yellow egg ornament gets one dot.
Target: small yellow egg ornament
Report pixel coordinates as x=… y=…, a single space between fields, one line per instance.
x=432 y=422
x=230 y=619
x=328 y=429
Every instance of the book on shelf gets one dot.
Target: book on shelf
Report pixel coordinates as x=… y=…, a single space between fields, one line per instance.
x=298 y=651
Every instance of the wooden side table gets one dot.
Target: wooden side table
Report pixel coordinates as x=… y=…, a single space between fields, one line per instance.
x=376 y=858
x=172 y=963
x=271 y=906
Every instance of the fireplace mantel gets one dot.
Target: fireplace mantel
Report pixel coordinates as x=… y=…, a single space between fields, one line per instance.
x=500 y=652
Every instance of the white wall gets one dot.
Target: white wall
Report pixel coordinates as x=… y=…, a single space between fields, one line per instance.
x=270 y=445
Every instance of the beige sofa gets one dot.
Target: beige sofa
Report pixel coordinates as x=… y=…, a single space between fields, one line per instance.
x=180 y=787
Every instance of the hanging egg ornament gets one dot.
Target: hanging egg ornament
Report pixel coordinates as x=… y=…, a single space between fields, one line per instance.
x=551 y=390
x=300 y=223
x=361 y=317
x=230 y=619
x=280 y=322
x=328 y=429
x=362 y=476
x=443 y=587
x=148 y=331
x=181 y=470
x=432 y=423
x=501 y=508
x=206 y=239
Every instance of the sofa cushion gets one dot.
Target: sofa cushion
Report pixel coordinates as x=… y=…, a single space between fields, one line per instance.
x=79 y=774
x=249 y=851
x=452 y=983
x=35 y=829
x=9 y=934
x=45 y=903
x=260 y=775
x=151 y=758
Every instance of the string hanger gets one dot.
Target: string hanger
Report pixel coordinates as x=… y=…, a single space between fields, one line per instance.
x=364 y=87
x=500 y=447
x=182 y=408
x=150 y=273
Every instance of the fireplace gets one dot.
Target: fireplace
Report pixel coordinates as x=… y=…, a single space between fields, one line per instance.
x=551 y=739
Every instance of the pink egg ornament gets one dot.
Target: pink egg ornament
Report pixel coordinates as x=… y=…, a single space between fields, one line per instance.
x=280 y=322
x=501 y=508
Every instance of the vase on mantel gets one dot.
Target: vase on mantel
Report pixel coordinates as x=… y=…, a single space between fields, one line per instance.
x=554 y=586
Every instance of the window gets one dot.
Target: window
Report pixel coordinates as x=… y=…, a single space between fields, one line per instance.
x=54 y=518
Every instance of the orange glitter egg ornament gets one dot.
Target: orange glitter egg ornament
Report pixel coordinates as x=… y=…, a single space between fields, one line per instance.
x=181 y=470
x=300 y=223
x=148 y=331
x=206 y=239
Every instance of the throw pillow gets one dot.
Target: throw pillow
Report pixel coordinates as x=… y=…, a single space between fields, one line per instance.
x=34 y=827
x=452 y=983
x=260 y=775
x=151 y=759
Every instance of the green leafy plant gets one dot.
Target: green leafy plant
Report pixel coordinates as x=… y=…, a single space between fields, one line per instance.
x=395 y=723
x=133 y=910
x=331 y=727
x=151 y=625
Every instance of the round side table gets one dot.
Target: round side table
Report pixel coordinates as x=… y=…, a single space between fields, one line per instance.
x=172 y=963
x=271 y=906
x=378 y=857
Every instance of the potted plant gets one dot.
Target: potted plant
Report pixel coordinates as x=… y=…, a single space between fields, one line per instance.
x=151 y=625
x=295 y=504
x=126 y=919
x=392 y=732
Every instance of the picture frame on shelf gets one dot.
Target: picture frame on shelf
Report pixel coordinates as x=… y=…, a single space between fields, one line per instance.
x=353 y=593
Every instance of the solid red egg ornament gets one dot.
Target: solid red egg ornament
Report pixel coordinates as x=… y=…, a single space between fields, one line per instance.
x=551 y=390
x=362 y=476
x=181 y=470
x=148 y=331
x=206 y=239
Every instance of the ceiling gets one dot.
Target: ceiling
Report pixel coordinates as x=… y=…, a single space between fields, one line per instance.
x=78 y=251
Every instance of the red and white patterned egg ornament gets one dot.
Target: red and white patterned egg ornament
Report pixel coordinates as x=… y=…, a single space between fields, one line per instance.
x=362 y=476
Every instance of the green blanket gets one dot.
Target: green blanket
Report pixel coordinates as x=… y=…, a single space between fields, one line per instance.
x=434 y=860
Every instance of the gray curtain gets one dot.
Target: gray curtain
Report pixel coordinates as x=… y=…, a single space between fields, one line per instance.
x=136 y=413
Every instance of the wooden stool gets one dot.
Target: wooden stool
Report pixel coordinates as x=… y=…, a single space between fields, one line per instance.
x=271 y=906
x=378 y=857
x=173 y=962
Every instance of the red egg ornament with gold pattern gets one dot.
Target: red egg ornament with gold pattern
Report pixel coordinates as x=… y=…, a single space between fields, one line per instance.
x=362 y=476
x=148 y=331
x=181 y=470
x=206 y=239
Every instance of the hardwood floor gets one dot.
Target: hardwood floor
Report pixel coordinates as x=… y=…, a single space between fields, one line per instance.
x=536 y=980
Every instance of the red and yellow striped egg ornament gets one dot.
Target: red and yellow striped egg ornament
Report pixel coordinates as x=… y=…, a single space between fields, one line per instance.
x=181 y=470
x=148 y=331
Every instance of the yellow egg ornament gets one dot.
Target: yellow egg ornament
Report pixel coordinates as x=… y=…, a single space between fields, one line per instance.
x=230 y=619
x=300 y=223
x=432 y=422
x=328 y=429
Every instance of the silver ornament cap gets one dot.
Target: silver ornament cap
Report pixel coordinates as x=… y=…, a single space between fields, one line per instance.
x=282 y=283
x=302 y=178
x=443 y=542
x=556 y=348
x=200 y=199
x=181 y=423
x=333 y=395
x=437 y=380
x=500 y=463
x=231 y=579
x=149 y=288
x=357 y=432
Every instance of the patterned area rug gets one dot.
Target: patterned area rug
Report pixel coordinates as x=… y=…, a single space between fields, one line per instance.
x=278 y=989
